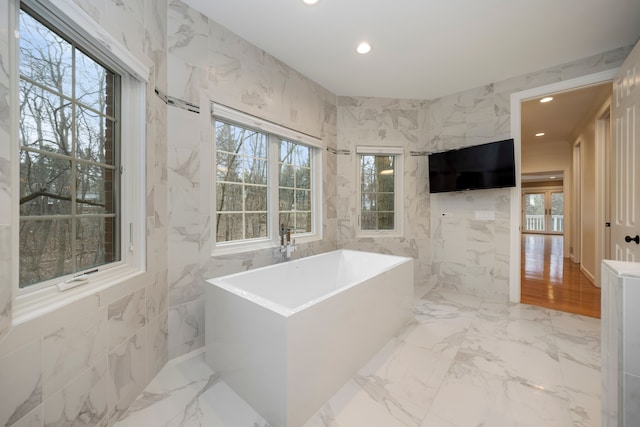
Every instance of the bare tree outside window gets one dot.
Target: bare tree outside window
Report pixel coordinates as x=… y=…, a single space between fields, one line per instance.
x=295 y=187
x=68 y=132
x=377 y=192
x=241 y=183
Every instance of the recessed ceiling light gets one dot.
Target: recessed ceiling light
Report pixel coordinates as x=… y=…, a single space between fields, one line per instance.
x=540 y=134
x=363 y=48
x=310 y=1
x=546 y=99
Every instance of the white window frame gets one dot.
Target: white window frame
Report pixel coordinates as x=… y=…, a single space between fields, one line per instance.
x=398 y=202
x=274 y=133
x=44 y=297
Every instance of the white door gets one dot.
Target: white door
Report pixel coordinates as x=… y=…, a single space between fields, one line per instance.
x=543 y=211
x=625 y=226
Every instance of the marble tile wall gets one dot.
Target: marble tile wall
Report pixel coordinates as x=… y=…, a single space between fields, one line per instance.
x=101 y=351
x=84 y=363
x=454 y=251
x=385 y=122
x=237 y=74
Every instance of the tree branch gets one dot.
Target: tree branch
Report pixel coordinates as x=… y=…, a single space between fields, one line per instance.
x=44 y=193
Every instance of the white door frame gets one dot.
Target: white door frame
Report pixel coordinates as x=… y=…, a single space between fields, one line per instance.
x=516 y=117
x=603 y=180
x=576 y=227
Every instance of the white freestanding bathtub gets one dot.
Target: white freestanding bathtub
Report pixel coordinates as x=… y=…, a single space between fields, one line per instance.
x=288 y=336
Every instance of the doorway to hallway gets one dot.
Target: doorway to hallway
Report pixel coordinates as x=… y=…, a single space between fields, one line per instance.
x=550 y=280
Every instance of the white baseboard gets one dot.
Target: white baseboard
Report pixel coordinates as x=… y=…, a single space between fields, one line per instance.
x=589 y=275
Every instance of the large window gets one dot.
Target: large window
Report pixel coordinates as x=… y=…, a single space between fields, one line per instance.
x=266 y=178
x=294 y=190
x=73 y=212
x=241 y=183
x=380 y=190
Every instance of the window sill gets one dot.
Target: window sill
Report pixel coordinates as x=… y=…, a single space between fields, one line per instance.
x=107 y=286
x=239 y=248
x=379 y=234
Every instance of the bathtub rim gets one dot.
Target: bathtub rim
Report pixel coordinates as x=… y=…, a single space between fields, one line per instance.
x=221 y=282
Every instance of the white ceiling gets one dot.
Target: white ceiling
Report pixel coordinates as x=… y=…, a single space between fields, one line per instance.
x=561 y=118
x=424 y=49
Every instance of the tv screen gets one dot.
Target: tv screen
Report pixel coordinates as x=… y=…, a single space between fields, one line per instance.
x=472 y=168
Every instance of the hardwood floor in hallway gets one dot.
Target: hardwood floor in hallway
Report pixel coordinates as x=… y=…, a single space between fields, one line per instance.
x=552 y=281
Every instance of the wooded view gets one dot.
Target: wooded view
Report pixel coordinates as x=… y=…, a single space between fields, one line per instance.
x=68 y=157
x=377 y=190
x=242 y=192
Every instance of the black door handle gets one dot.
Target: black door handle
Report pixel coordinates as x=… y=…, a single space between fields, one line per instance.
x=635 y=239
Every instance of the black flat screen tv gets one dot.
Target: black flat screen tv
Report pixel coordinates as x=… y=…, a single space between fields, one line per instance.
x=473 y=168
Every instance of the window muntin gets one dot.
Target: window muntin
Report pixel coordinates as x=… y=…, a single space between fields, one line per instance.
x=69 y=145
x=295 y=192
x=241 y=183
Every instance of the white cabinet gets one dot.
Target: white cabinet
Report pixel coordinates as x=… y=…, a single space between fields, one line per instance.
x=620 y=344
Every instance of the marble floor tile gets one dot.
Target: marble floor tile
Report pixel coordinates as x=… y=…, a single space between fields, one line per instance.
x=464 y=361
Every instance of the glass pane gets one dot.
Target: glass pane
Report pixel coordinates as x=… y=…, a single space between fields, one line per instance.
x=256 y=225
x=92 y=142
x=369 y=202
x=45 y=185
x=287 y=178
x=228 y=138
x=386 y=183
x=369 y=221
x=228 y=197
x=368 y=165
x=255 y=198
x=228 y=227
x=44 y=56
x=303 y=200
x=94 y=242
x=303 y=178
x=384 y=164
x=255 y=144
x=45 y=250
x=93 y=84
x=557 y=212
x=385 y=221
x=286 y=200
x=386 y=202
x=302 y=155
x=255 y=171
x=95 y=189
x=534 y=212
x=228 y=167
x=45 y=120
x=303 y=222
x=286 y=152
x=287 y=218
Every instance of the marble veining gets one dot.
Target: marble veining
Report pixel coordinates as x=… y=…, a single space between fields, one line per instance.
x=509 y=364
x=126 y=316
x=72 y=349
x=21 y=369
x=126 y=374
x=84 y=399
